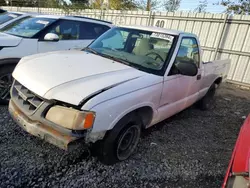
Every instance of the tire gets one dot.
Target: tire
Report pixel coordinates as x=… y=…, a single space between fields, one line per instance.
x=206 y=102
x=111 y=149
x=5 y=83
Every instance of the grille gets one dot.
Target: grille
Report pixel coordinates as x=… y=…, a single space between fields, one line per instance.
x=24 y=98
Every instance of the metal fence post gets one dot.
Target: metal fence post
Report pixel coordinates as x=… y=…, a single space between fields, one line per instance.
x=103 y=14
x=100 y=17
x=38 y=7
x=152 y=19
x=149 y=18
x=220 y=37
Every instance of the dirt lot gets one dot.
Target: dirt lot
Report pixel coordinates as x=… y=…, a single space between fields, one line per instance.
x=192 y=149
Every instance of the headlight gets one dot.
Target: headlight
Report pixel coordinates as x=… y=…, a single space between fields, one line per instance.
x=70 y=118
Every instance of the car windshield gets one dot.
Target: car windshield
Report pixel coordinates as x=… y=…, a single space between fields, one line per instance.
x=137 y=48
x=7 y=16
x=27 y=27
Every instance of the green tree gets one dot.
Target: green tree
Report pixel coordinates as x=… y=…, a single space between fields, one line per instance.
x=201 y=7
x=115 y=4
x=97 y=4
x=36 y=3
x=79 y=2
x=3 y=3
x=51 y=3
x=239 y=7
x=148 y=5
x=23 y=3
x=172 y=5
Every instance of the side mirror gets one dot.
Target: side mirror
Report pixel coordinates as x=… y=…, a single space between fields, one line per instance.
x=51 y=37
x=186 y=68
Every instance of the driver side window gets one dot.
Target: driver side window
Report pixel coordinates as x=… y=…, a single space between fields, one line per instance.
x=188 y=52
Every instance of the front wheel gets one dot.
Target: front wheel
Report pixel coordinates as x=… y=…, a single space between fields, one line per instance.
x=5 y=83
x=120 y=143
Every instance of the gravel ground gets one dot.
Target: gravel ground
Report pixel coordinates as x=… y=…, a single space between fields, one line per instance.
x=191 y=149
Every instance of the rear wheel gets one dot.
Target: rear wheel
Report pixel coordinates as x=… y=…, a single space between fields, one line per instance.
x=5 y=83
x=120 y=143
x=206 y=102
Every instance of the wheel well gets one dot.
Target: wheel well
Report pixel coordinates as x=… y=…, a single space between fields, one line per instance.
x=7 y=65
x=218 y=81
x=145 y=114
x=9 y=62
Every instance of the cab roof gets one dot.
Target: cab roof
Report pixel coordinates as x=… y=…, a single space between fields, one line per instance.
x=158 y=29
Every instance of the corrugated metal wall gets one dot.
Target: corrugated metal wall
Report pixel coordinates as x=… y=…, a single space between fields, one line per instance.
x=221 y=36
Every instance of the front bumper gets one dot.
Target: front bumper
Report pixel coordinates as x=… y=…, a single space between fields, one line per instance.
x=41 y=130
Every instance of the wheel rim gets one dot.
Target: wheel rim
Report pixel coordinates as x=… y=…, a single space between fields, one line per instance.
x=5 y=85
x=127 y=142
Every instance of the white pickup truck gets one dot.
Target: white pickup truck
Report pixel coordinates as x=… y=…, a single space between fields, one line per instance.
x=127 y=80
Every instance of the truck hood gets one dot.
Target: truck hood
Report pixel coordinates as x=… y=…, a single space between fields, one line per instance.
x=71 y=76
x=7 y=40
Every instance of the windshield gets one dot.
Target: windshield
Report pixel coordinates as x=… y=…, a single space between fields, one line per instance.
x=136 y=48
x=27 y=27
x=5 y=17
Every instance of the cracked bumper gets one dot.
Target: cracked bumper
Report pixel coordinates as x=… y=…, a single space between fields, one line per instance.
x=42 y=131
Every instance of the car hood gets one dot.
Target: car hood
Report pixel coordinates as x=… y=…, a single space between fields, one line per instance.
x=71 y=76
x=7 y=40
x=242 y=149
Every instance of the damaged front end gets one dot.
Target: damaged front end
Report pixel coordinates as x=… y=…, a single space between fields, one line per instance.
x=62 y=126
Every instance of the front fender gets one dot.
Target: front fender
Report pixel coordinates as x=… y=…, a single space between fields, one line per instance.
x=108 y=113
x=108 y=119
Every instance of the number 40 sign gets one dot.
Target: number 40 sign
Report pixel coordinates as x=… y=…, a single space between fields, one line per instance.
x=160 y=23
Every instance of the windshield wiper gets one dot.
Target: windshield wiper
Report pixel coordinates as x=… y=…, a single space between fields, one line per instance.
x=91 y=50
x=120 y=60
x=103 y=55
x=123 y=61
x=100 y=54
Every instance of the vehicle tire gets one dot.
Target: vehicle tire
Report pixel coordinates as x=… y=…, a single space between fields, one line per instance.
x=121 y=141
x=5 y=83
x=206 y=102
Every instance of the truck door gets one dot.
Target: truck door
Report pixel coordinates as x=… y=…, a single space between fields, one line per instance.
x=181 y=91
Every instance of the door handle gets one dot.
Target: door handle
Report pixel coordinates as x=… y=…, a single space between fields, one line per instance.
x=198 y=76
